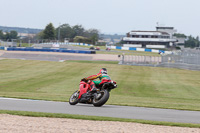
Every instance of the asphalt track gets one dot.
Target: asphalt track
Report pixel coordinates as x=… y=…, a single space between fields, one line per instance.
x=43 y=57
x=56 y=56
x=154 y=114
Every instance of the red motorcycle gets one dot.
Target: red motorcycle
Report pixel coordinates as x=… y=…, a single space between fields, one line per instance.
x=98 y=98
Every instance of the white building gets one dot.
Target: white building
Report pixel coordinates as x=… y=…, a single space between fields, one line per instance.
x=169 y=30
x=161 y=38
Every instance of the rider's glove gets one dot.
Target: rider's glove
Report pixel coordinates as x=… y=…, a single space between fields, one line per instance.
x=84 y=79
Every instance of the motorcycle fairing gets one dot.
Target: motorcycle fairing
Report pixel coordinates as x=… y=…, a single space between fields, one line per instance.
x=83 y=87
x=104 y=81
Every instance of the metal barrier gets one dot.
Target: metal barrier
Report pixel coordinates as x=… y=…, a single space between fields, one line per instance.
x=140 y=60
x=186 y=59
x=8 y=44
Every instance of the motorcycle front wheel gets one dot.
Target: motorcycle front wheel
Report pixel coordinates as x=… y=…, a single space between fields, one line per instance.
x=73 y=100
x=102 y=100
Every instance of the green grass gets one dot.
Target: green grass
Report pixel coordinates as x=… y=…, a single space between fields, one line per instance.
x=126 y=52
x=120 y=52
x=96 y=118
x=94 y=62
x=25 y=44
x=137 y=85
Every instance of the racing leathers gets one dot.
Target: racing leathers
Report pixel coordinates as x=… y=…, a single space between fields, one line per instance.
x=93 y=83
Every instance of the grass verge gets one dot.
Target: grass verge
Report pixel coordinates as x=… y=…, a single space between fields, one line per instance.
x=137 y=85
x=96 y=118
x=94 y=62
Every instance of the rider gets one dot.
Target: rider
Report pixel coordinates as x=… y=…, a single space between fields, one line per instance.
x=102 y=75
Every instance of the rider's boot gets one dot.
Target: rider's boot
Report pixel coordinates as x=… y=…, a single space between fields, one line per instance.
x=93 y=87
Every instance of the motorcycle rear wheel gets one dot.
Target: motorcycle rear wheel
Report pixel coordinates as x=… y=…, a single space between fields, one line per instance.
x=102 y=100
x=73 y=100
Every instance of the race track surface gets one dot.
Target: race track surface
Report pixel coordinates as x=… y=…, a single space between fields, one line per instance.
x=56 y=56
x=44 y=57
x=154 y=114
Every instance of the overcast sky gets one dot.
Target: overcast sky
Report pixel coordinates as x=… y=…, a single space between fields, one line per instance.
x=109 y=16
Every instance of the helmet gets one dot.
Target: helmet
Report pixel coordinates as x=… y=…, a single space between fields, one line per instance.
x=103 y=71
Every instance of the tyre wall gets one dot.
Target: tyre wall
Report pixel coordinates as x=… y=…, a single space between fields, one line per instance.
x=50 y=50
x=1 y=48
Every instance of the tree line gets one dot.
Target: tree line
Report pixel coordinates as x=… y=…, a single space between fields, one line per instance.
x=75 y=33
x=20 y=30
x=190 y=41
x=8 y=36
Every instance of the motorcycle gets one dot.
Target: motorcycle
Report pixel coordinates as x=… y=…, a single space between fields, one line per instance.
x=97 y=98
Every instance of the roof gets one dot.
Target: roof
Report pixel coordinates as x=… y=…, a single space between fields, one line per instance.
x=151 y=31
x=162 y=27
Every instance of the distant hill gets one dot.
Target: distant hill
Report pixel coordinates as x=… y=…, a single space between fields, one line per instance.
x=20 y=30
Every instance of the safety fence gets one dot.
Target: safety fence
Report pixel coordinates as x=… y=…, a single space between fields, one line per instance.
x=140 y=60
x=8 y=44
x=186 y=59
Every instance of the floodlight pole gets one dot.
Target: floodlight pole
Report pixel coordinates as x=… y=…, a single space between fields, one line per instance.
x=29 y=41
x=59 y=33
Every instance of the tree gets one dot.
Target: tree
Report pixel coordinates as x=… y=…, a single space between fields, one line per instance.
x=40 y=35
x=192 y=42
x=49 y=32
x=82 y=39
x=179 y=35
x=197 y=42
x=9 y=36
x=1 y=35
x=93 y=35
x=13 y=34
x=78 y=30
x=65 y=31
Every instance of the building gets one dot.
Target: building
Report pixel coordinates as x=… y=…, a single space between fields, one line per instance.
x=25 y=35
x=169 y=30
x=161 y=38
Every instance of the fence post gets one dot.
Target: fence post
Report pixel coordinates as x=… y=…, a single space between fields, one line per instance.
x=123 y=58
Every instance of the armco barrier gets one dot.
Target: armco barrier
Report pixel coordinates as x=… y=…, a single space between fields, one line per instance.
x=51 y=50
